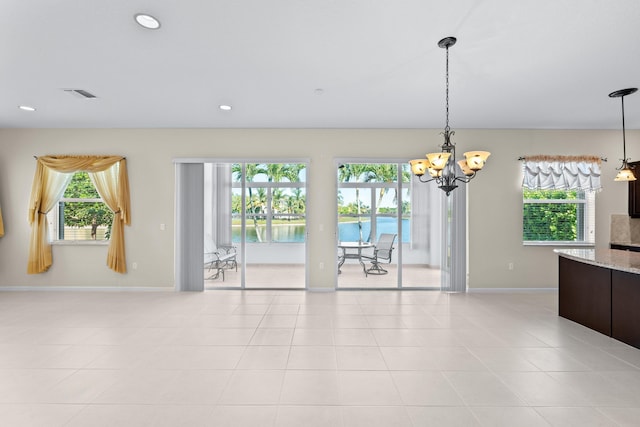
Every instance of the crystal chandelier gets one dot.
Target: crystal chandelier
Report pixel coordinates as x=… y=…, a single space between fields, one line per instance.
x=625 y=174
x=441 y=166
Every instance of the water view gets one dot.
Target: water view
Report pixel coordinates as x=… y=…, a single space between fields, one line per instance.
x=347 y=231
x=350 y=231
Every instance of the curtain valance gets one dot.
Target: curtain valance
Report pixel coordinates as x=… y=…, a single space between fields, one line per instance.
x=79 y=163
x=543 y=172
x=108 y=174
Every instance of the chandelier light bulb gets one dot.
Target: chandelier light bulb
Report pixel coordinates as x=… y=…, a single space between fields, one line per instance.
x=435 y=173
x=625 y=175
x=465 y=168
x=438 y=160
x=419 y=166
x=476 y=159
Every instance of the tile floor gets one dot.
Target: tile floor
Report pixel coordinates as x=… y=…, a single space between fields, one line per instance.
x=296 y=358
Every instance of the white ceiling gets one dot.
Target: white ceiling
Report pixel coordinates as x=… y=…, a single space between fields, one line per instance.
x=517 y=64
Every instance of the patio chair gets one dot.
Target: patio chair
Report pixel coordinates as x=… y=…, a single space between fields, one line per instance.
x=224 y=258
x=381 y=253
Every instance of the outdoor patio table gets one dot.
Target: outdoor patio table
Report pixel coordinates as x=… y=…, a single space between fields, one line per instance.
x=353 y=250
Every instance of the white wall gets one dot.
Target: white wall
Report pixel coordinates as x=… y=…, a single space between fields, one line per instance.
x=495 y=205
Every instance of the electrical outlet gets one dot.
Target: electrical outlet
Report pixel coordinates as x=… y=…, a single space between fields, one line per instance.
x=510 y=266
x=134 y=265
x=322 y=266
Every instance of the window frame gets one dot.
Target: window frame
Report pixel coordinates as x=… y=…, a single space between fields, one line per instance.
x=587 y=217
x=374 y=186
x=53 y=218
x=269 y=187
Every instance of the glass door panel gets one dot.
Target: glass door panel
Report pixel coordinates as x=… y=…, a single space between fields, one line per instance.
x=367 y=210
x=266 y=215
x=223 y=255
x=379 y=200
x=423 y=238
x=275 y=225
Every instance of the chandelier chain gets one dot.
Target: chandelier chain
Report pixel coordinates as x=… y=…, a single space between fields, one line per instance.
x=447 y=128
x=624 y=143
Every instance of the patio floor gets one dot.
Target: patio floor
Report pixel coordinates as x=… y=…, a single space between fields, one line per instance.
x=292 y=276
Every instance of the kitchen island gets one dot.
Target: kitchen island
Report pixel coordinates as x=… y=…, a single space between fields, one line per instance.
x=600 y=289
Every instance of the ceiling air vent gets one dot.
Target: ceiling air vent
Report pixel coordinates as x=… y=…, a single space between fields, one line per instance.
x=80 y=93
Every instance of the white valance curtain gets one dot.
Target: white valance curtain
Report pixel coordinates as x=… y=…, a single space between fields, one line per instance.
x=562 y=173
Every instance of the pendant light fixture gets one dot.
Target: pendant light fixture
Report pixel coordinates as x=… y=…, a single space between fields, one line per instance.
x=441 y=166
x=625 y=174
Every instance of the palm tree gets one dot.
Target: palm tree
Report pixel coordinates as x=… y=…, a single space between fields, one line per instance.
x=300 y=201
x=276 y=171
x=278 y=199
x=353 y=172
x=385 y=172
x=260 y=201
x=251 y=170
x=293 y=171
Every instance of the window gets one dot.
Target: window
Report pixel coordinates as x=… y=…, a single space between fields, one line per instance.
x=368 y=199
x=559 y=199
x=275 y=202
x=80 y=215
x=558 y=217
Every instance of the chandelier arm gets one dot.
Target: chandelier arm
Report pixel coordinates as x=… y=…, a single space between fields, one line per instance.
x=429 y=180
x=465 y=179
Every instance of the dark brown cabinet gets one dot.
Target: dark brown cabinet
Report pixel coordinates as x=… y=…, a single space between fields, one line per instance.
x=634 y=191
x=600 y=298
x=584 y=294
x=625 y=300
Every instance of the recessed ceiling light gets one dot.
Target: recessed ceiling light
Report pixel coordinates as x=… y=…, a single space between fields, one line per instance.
x=26 y=108
x=147 y=21
x=225 y=107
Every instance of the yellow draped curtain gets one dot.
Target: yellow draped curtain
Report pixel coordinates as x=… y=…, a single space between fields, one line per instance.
x=53 y=173
x=1 y=224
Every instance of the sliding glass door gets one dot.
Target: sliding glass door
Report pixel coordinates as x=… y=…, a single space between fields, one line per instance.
x=379 y=202
x=263 y=217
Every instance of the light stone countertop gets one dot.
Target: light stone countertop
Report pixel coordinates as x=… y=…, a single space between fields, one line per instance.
x=608 y=258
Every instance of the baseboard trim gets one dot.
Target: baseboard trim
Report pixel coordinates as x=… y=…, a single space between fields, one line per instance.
x=172 y=289
x=85 y=289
